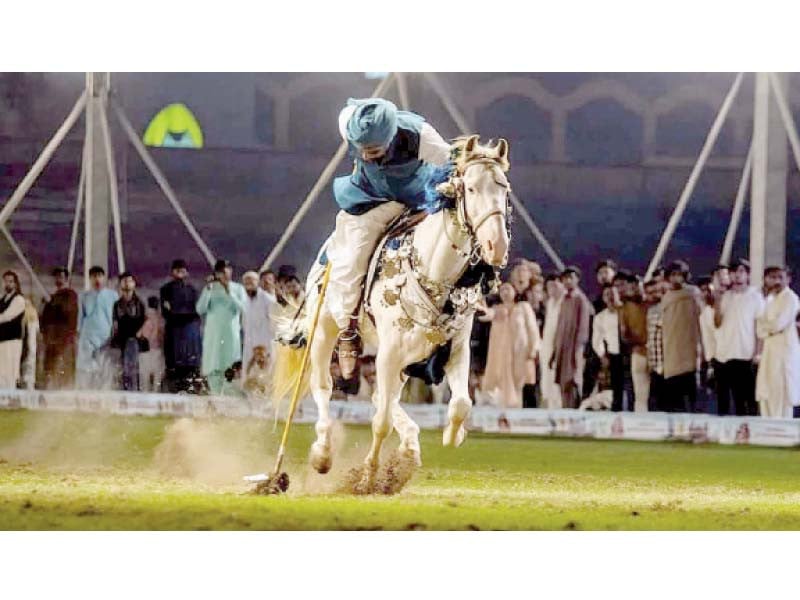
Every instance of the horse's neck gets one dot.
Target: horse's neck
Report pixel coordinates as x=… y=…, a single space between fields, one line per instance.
x=437 y=258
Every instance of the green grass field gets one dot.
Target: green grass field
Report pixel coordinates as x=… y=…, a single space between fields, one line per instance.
x=73 y=471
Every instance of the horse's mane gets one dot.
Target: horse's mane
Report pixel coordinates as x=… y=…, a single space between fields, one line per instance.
x=435 y=200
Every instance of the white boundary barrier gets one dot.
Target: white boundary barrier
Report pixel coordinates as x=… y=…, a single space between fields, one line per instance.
x=697 y=428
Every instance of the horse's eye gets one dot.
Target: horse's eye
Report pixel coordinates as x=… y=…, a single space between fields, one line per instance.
x=471 y=190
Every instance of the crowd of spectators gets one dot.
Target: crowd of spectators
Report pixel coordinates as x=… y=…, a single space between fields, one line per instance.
x=181 y=339
x=662 y=344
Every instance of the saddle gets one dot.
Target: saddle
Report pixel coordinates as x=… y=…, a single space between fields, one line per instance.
x=407 y=221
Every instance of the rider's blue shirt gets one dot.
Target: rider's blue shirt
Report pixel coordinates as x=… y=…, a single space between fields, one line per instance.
x=400 y=175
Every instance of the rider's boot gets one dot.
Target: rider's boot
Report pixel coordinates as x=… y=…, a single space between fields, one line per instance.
x=349 y=349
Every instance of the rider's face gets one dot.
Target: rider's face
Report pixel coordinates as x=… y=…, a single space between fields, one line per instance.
x=372 y=153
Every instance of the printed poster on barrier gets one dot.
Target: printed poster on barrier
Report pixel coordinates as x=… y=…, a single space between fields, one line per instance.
x=652 y=427
x=571 y=423
x=696 y=428
x=427 y=416
x=529 y=421
x=356 y=412
x=773 y=432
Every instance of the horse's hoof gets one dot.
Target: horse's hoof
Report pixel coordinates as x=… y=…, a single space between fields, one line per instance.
x=396 y=472
x=453 y=436
x=366 y=482
x=411 y=452
x=320 y=458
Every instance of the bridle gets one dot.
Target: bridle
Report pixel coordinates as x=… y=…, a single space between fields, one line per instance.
x=454 y=188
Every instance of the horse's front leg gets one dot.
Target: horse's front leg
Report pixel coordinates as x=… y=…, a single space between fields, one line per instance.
x=457 y=371
x=321 y=383
x=390 y=380
x=408 y=431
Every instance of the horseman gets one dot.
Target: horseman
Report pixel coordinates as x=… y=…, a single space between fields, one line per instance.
x=394 y=153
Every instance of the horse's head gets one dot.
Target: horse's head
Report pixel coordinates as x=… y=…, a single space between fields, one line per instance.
x=483 y=195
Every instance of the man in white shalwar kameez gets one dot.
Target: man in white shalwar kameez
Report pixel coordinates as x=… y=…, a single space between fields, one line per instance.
x=12 y=309
x=256 y=322
x=778 y=380
x=551 y=391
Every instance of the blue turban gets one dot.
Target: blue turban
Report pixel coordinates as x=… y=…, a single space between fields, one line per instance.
x=374 y=122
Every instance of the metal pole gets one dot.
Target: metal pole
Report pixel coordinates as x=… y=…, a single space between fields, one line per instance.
x=112 y=180
x=21 y=256
x=38 y=166
x=788 y=120
x=463 y=126
x=162 y=182
x=322 y=181
x=402 y=90
x=711 y=139
x=738 y=205
x=73 y=239
x=89 y=185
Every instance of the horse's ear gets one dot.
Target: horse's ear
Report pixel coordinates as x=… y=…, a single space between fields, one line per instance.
x=502 y=149
x=472 y=141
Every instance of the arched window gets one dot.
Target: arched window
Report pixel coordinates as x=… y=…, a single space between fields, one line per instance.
x=525 y=125
x=682 y=131
x=603 y=132
x=264 y=118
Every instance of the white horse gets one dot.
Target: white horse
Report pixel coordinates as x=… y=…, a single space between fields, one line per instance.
x=407 y=299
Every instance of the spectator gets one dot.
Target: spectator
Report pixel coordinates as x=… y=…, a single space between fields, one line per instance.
x=182 y=336
x=680 y=313
x=151 y=361
x=366 y=382
x=513 y=346
x=256 y=379
x=256 y=322
x=128 y=320
x=30 y=333
x=520 y=278
x=222 y=307
x=551 y=393
x=12 y=313
x=653 y=292
x=605 y=271
x=735 y=315
x=708 y=336
x=268 y=282
x=721 y=278
x=59 y=325
x=535 y=297
x=778 y=379
x=95 y=320
x=572 y=334
x=606 y=343
x=633 y=333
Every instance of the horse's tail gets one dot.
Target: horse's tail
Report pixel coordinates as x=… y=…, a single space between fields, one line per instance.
x=288 y=361
x=289 y=353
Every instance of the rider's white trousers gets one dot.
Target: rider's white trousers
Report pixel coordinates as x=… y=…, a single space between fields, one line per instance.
x=350 y=251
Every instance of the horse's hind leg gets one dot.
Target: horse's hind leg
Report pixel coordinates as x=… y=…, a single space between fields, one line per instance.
x=321 y=387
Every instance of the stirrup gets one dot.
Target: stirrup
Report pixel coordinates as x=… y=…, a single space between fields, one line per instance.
x=349 y=351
